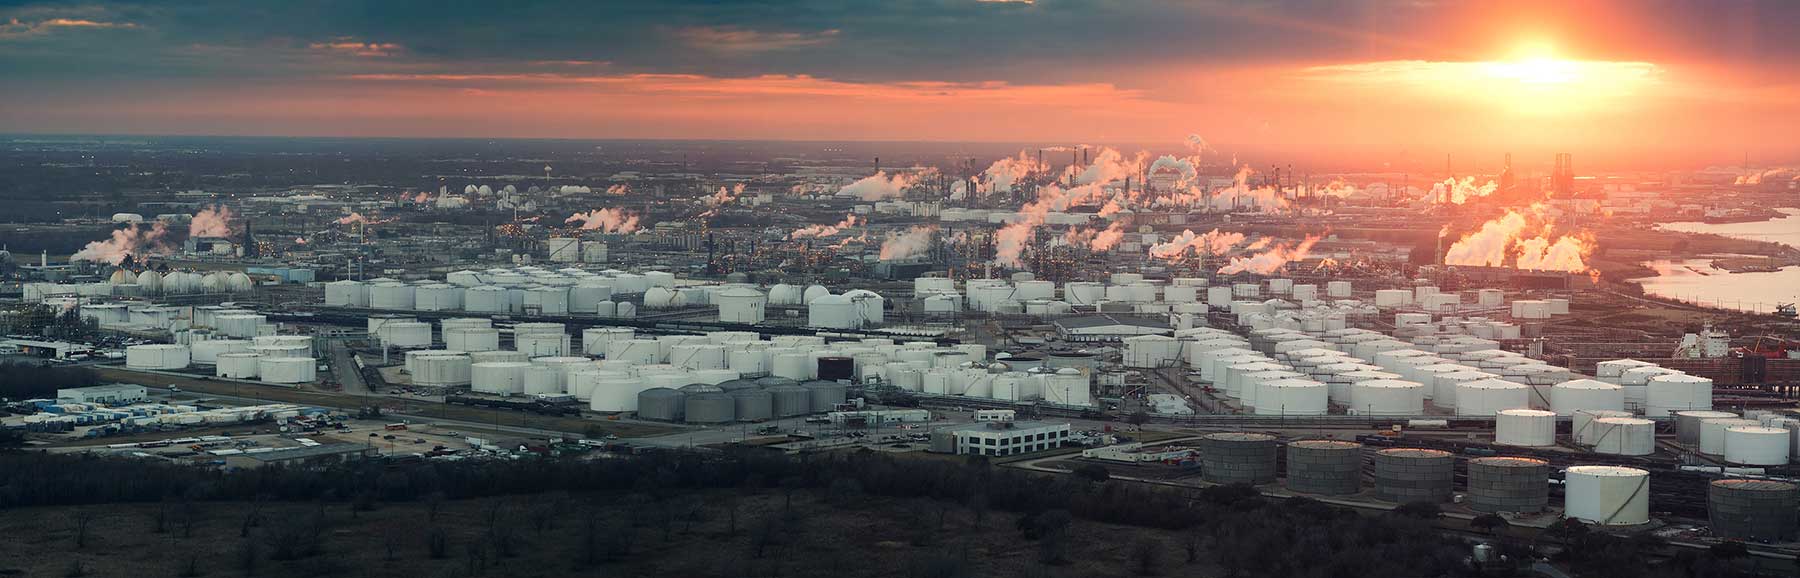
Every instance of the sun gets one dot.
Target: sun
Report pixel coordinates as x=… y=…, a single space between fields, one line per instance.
x=1535 y=62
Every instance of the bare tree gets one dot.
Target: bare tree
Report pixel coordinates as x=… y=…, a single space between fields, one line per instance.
x=83 y=518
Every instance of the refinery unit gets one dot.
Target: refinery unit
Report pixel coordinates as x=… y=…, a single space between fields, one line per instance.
x=1444 y=370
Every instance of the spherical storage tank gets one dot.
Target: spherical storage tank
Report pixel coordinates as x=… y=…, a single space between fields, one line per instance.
x=1326 y=467
x=1755 y=445
x=237 y=365
x=1503 y=484
x=1747 y=509
x=1237 y=458
x=661 y=403
x=157 y=356
x=1607 y=495
x=1525 y=427
x=741 y=305
x=711 y=407
x=1405 y=475
x=287 y=369
x=346 y=294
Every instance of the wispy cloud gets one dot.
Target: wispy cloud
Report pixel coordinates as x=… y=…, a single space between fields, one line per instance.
x=16 y=28
x=743 y=40
x=356 y=47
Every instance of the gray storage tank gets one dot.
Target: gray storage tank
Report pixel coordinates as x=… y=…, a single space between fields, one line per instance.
x=790 y=400
x=661 y=403
x=826 y=395
x=1405 y=475
x=754 y=404
x=737 y=384
x=1325 y=467
x=1506 y=484
x=1746 y=509
x=710 y=407
x=1687 y=424
x=694 y=388
x=772 y=381
x=1237 y=458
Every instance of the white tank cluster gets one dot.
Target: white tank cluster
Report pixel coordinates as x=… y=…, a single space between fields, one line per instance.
x=1659 y=391
x=146 y=283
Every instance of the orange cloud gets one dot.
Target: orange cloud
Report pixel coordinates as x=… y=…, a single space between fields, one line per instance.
x=16 y=28
x=356 y=48
x=741 y=40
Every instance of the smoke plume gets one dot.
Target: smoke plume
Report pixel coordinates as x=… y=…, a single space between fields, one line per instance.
x=880 y=186
x=605 y=221
x=815 y=231
x=132 y=240
x=912 y=243
x=1212 y=242
x=211 y=222
x=1268 y=262
x=1456 y=192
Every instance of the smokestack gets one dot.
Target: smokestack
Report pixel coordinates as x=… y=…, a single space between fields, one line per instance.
x=878 y=164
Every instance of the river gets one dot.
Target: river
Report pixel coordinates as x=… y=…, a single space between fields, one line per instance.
x=1784 y=230
x=1696 y=281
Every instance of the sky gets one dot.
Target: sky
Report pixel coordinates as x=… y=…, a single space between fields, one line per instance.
x=1374 y=82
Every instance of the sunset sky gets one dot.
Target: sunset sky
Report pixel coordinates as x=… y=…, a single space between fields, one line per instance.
x=1628 y=84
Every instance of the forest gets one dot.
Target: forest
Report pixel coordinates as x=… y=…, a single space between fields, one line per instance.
x=745 y=513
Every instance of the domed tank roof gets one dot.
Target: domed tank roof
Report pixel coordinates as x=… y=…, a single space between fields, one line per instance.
x=694 y=388
x=813 y=293
x=773 y=381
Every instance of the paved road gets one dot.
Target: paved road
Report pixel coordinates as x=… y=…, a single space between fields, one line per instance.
x=343 y=366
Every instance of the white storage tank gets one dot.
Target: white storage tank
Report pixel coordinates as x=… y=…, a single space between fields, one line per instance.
x=1291 y=397
x=594 y=340
x=1387 y=397
x=1712 y=432
x=498 y=377
x=697 y=356
x=741 y=305
x=1576 y=394
x=437 y=297
x=1669 y=393
x=542 y=344
x=1488 y=396
x=636 y=351
x=391 y=296
x=1607 y=495
x=1393 y=297
x=406 y=334
x=346 y=294
x=1531 y=309
x=485 y=299
x=441 y=369
x=472 y=338
x=832 y=312
x=1755 y=445
x=1525 y=427
x=237 y=365
x=1149 y=351
x=287 y=369
x=1625 y=436
x=587 y=294
x=547 y=300
x=1338 y=289
x=157 y=356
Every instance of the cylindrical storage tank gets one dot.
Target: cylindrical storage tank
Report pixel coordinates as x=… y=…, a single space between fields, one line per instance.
x=790 y=400
x=542 y=344
x=1292 y=397
x=287 y=369
x=1404 y=475
x=594 y=341
x=1505 y=484
x=281 y=350
x=1387 y=397
x=1581 y=428
x=753 y=404
x=1325 y=467
x=1237 y=458
x=791 y=366
x=1484 y=397
x=1525 y=427
x=1688 y=424
x=497 y=355
x=1628 y=436
x=406 y=334
x=712 y=407
x=608 y=391
x=208 y=351
x=472 y=339
x=750 y=362
x=714 y=376
x=1712 y=433
x=1575 y=394
x=836 y=367
x=438 y=297
x=1338 y=289
x=1755 y=445
x=498 y=377
x=346 y=294
x=237 y=365
x=832 y=312
x=157 y=356
x=662 y=404
x=1670 y=393
x=825 y=396
x=242 y=325
x=465 y=323
x=1607 y=495
x=391 y=296
x=587 y=296
x=694 y=356
x=485 y=299
x=1746 y=509
x=547 y=300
